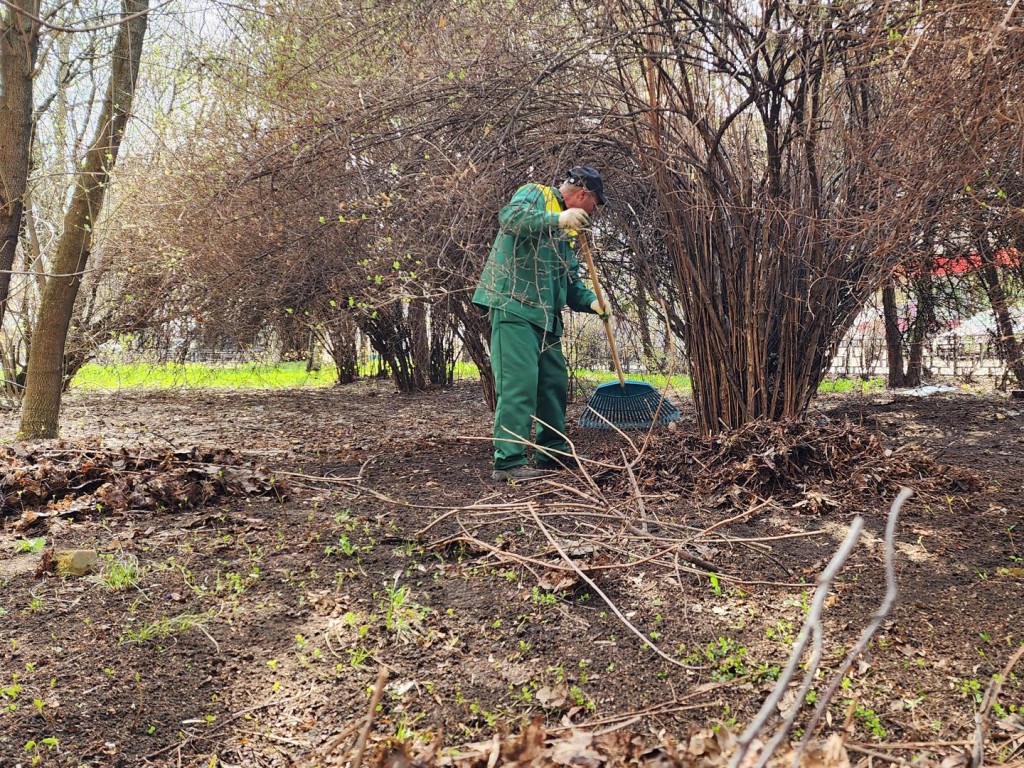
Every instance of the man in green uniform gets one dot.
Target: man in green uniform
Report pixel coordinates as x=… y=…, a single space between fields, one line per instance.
x=530 y=275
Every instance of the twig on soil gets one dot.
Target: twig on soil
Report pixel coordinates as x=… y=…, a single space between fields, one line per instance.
x=877 y=755
x=913 y=744
x=981 y=717
x=692 y=559
x=883 y=610
x=736 y=518
x=580 y=463
x=202 y=629
x=506 y=556
x=765 y=553
x=1012 y=746
x=590 y=583
x=636 y=493
x=597 y=501
x=676 y=705
x=813 y=628
x=275 y=737
x=319 y=478
x=332 y=744
x=478 y=438
x=521 y=559
x=388 y=499
x=220 y=725
x=378 y=691
x=672 y=550
x=632 y=718
x=672 y=707
x=581 y=514
x=758 y=539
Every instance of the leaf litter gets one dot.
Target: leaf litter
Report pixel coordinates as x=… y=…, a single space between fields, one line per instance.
x=68 y=481
x=312 y=710
x=813 y=465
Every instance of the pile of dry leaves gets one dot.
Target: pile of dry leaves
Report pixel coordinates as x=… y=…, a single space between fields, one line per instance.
x=38 y=482
x=802 y=464
x=705 y=748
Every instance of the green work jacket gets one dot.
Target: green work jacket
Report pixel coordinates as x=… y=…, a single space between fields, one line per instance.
x=532 y=271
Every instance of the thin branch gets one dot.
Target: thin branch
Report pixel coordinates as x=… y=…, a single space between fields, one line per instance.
x=883 y=610
x=58 y=28
x=811 y=627
x=378 y=691
x=980 y=718
x=590 y=583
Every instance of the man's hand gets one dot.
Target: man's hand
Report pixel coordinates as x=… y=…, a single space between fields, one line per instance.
x=573 y=218
x=605 y=313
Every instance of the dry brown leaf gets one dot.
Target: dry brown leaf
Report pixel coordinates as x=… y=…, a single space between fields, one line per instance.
x=577 y=750
x=552 y=697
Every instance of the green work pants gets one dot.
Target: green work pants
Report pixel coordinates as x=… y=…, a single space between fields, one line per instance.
x=531 y=379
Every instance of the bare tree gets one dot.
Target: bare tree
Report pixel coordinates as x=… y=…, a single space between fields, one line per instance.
x=19 y=48
x=44 y=385
x=770 y=166
x=1010 y=348
x=919 y=301
x=366 y=192
x=772 y=142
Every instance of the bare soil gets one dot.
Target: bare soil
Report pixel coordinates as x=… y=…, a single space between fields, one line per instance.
x=254 y=629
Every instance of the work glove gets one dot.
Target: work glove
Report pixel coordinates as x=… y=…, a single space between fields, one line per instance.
x=604 y=313
x=574 y=219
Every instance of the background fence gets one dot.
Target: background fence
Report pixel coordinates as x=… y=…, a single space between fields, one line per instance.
x=964 y=357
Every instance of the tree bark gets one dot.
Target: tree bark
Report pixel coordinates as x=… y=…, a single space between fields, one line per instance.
x=313 y=346
x=643 y=322
x=420 y=340
x=442 y=345
x=474 y=330
x=41 y=408
x=341 y=344
x=921 y=328
x=19 y=47
x=893 y=337
x=1006 y=337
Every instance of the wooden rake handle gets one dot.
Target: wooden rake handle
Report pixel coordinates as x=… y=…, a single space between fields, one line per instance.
x=604 y=307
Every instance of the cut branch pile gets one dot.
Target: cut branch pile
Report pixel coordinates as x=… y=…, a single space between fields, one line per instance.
x=812 y=466
x=47 y=482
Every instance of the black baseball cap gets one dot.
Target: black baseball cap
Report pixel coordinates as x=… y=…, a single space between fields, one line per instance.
x=588 y=178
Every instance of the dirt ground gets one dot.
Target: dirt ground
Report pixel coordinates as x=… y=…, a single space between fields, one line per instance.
x=250 y=631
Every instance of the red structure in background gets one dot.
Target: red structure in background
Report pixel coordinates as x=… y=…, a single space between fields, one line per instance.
x=943 y=266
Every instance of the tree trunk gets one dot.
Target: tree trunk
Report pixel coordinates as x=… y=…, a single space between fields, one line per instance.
x=390 y=337
x=41 y=408
x=442 y=346
x=1006 y=337
x=420 y=341
x=344 y=351
x=475 y=332
x=19 y=47
x=313 y=352
x=920 y=329
x=292 y=340
x=893 y=337
x=643 y=322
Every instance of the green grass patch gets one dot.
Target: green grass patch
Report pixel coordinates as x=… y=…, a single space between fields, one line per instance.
x=292 y=375
x=846 y=386
x=201 y=375
x=656 y=380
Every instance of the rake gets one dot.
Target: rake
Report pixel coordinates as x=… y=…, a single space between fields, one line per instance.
x=623 y=404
